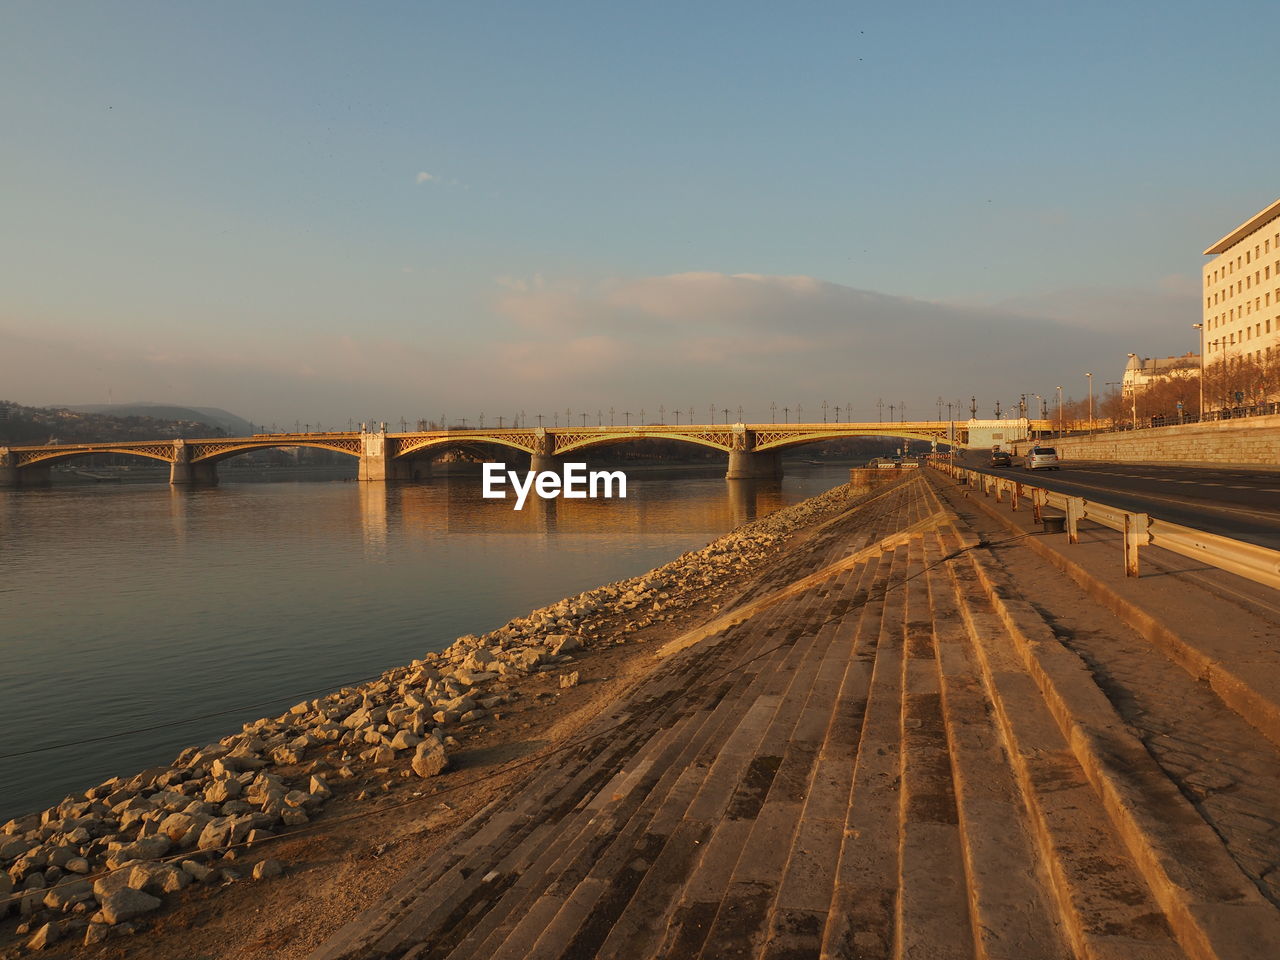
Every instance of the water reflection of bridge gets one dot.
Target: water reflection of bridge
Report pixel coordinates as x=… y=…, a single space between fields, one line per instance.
x=752 y=449
x=425 y=510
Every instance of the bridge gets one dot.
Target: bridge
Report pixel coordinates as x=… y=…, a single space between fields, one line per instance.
x=752 y=449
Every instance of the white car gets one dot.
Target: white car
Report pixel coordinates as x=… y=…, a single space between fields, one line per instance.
x=1042 y=458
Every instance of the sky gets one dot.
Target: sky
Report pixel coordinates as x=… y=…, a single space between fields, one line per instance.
x=328 y=211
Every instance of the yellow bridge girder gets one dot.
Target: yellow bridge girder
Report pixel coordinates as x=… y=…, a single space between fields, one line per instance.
x=547 y=441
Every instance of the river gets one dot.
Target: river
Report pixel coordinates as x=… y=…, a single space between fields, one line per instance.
x=176 y=615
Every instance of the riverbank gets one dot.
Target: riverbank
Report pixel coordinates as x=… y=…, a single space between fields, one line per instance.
x=321 y=790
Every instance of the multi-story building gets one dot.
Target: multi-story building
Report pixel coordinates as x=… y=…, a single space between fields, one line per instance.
x=1242 y=293
x=1142 y=371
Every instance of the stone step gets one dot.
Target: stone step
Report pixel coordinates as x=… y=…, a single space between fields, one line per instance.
x=1010 y=901
x=1106 y=907
x=1212 y=906
x=932 y=917
x=741 y=925
x=729 y=814
x=687 y=753
x=559 y=791
x=804 y=897
x=861 y=915
x=584 y=919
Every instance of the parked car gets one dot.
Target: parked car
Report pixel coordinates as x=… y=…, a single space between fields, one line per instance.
x=1042 y=458
x=1001 y=458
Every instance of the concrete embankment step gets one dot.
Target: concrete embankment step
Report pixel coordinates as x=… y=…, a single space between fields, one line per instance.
x=442 y=907
x=894 y=760
x=1209 y=903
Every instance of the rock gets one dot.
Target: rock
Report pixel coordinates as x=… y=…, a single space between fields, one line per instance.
x=217 y=833
x=66 y=894
x=220 y=791
x=196 y=871
x=562 y=643
x=125 y=904
x=46 y=936
x=294 y=816
x=267 y=868
x=429 y=758
x=157 y=878
x=145 y=848
x=78 y=865
x=403 y=740
x=13 y=847
x=112 y=882
x=568 y=680
x=183 y=829
x=97 y=933
x=320 y=789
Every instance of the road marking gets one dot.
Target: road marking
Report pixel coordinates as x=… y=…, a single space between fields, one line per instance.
x=1195 y=502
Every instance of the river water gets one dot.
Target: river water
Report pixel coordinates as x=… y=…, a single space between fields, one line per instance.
x=176 y=615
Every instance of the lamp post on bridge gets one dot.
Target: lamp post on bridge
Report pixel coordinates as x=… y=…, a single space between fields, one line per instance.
x=880 y=410
x=677 y=413
x=627 y=414
x=539 y=421
x=773 y=412
x=662 y=414
x=740 y=420
x=824 y=411
x=1060 y=425
x=725 y=411
x=786 y=414
x=611 y=421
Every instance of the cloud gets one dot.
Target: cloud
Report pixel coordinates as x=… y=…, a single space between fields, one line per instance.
x=423 y=176
x=682 y=339
x=745 y=336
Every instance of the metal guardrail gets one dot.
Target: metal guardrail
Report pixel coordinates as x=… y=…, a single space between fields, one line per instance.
x=1248 y=560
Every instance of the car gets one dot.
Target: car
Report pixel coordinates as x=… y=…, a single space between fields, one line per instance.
x=1001 y=458
x=1041 y=458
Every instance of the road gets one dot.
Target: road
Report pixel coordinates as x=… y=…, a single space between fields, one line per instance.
x=1243 y=504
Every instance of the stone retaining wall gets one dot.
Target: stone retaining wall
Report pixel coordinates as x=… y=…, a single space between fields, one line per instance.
x=1251 y=441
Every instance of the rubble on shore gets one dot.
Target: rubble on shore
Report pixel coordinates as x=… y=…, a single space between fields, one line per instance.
x=93 y=866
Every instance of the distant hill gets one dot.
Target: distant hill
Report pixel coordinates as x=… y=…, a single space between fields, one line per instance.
x=20 y=425
x=229 y=423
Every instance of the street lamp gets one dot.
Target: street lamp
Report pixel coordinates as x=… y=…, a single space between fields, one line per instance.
x=1200 y=411
x=1133 y=391
x=1059 y=389
x=1090 y=376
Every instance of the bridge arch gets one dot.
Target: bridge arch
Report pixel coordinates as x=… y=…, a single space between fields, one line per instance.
x=46 y=458
x=214 y=452
x=766 y=440
x=715 y=440
x=433 y=444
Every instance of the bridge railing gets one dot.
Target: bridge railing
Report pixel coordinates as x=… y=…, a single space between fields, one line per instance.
x=1249 y=560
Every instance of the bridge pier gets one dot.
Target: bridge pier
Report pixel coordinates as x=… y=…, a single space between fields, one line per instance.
x=193 y=474
x=8 y=469
x=378 y=462
x=12 y=476
x=184 y=473
x=750 y=465
x=542 y=457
